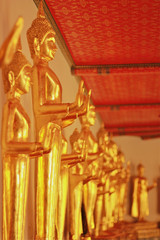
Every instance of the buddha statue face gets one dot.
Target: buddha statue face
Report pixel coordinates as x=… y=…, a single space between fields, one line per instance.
x=47 y=48
x=113 y=150
x=91 y=116
x=120 y=159
x=103 y=138
x=22 y=82
x=140 y=170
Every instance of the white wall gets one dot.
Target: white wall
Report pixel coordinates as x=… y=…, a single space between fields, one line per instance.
x=135 y=150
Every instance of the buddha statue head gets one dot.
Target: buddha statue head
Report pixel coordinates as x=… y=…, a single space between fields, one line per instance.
x=74 y=140
x=120 y=158
x=103 y=137
x=140 y=170
x=41 y=37
x=17 y=74
x=113 y=150
x=89 y=118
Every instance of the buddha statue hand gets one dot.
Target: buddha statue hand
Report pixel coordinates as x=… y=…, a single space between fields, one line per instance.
x=38 y=150
x=155 y=183
x=82 y=102
x=8 y=48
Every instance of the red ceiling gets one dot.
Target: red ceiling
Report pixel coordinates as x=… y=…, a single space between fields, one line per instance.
x=124 y=88
x=109 y=32
x=115 y=32
x=131 y=116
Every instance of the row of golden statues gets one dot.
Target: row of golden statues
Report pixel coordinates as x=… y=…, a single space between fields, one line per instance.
x=93 y=177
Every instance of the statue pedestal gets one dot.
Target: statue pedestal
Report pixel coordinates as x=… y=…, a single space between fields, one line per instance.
x=147 y=230
x=131 y=231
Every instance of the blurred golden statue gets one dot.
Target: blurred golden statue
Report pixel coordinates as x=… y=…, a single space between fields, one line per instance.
x=123 y=179
x=114 y=183
x=99 y=200
x=93 y=154
x=67 y=161
x=16 y=149
x=75 y=189
x=110 y=151
x=50 y=115
x=9 y=46
x=83 y=178
x=140 y=208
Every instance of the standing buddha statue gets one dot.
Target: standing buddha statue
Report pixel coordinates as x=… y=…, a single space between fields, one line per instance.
x=124 y=176
x=75 y=188
x=67 y=160
x=50 y=115
x=103 y=141
x=16 y=149
x=140 y=208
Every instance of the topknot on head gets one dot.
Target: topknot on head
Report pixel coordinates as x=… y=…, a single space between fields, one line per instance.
x=19 y=45
x=40 y=13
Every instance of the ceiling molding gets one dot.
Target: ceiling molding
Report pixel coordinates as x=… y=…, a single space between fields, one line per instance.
x=150 y=137
x=137 y=133
x=154 y=127
x=116 y=107
x=111 y=68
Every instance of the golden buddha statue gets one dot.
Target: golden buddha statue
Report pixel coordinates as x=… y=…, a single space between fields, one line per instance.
x=63 y=190
x=140 y=208
x=87 y=172
x=113 y=152
x=75 y=188
x=67 y=160
x=9 y=46
x=99 y=200
x=124 y=176
x=16 y=150
x=108 y=168
x=50 y=113
x=93 y=154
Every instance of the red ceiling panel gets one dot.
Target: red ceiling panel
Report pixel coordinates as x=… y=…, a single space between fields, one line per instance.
x=138 y=134
x=109 y=32
x=124 y=88
x=131 y=116
x=125 y=130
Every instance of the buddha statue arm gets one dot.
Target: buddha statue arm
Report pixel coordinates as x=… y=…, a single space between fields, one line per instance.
x=33 y=149
x=152 y=186
x=60 y=110
x=71 y=158
x=102 y=192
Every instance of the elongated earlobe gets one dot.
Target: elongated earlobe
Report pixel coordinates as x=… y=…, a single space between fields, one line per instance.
x=36 y=46
x=11 y=79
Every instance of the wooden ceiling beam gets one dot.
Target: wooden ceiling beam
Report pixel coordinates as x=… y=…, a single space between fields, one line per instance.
x=139 y=68
x=117 y=107
x=153 y=127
